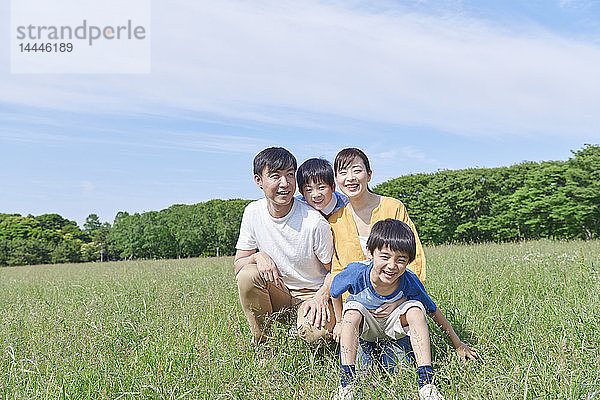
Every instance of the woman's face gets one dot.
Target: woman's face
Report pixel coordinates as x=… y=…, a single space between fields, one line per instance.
x=353 y=178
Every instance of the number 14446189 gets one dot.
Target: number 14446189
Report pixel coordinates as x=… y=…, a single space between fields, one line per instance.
x=46 y=47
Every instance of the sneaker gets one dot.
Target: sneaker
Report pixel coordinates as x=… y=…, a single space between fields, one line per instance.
x=430 y=392
x=344 y=393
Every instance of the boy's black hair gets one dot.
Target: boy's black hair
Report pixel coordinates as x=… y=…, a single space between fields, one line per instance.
x=314 y=170
x=394 y=234
x=274 y=159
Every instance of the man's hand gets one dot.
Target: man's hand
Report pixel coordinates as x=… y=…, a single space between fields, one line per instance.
x=267 y=268
x=317 y=311
x=386 y=309
x=466 y=352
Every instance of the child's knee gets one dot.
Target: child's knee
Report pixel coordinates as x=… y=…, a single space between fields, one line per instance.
x=352 y=317
x=415 y=314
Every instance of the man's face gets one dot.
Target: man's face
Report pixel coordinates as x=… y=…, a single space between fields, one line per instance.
x=388 y=265
x=279 y=185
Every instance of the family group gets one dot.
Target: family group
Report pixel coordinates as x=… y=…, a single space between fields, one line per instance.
x=348 y=261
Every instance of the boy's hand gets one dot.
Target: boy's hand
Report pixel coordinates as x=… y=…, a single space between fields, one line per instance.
x=337 y=331
x=267 y=268
x=466 y=352
x=386 y=309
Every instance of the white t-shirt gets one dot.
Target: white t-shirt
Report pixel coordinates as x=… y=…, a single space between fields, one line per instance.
x=299 y=243
x=363 y=245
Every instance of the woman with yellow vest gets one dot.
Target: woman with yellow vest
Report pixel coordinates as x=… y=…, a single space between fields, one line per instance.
x=351 y=226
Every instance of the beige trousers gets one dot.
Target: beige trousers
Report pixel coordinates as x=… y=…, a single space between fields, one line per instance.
x=264 y=301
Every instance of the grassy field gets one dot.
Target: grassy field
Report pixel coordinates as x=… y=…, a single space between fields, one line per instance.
x=173 y=329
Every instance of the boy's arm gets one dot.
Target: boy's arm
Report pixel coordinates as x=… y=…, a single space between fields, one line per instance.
x=337 y=310
x=340 y=285
x=464 y=351
x=386 y=308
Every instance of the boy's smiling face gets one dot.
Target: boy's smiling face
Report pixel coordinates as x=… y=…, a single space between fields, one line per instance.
x=317 y=194
x=388 y=265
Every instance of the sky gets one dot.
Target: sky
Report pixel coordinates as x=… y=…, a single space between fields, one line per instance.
x=419 y=85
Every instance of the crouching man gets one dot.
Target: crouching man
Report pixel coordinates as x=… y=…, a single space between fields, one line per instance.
x=283 y=253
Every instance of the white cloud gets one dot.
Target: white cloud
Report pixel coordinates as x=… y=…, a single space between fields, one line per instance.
x=282 y=62
x=386 y=155
x=573 y=3
x=403 y=152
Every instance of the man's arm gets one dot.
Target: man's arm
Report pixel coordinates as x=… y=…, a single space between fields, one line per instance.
x=242 y=258
x=464 y=350
x=265 y=264
x=317 y=308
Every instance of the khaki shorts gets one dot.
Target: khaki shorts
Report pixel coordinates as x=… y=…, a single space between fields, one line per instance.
x=389 y=327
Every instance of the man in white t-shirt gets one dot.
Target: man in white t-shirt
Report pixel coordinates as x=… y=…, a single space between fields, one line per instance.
x=283 y=253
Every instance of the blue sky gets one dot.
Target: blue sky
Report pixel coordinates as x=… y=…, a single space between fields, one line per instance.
x=419 y=85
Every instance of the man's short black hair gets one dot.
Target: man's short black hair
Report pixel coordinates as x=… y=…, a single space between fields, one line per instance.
x=394 y=234
x=314 y=170
x=274 y=159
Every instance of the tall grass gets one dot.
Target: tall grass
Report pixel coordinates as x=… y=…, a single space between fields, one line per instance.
x=173 y=329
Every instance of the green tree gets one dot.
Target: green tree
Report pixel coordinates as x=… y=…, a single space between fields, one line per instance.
x=92 y=224
x=90 y=251
x=68 y=250
x=583 y=187
x=553 y=199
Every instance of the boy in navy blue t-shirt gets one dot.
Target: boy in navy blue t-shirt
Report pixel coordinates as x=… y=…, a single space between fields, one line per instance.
x=385 y=279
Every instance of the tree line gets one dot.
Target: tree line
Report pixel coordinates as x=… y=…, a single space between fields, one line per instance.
x=551 y=199
x=203 y=229
x=200 y=230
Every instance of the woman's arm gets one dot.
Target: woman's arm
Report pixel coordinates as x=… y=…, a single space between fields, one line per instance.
x=418 y=265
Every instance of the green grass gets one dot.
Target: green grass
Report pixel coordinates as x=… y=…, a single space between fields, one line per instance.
x=173 y=329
